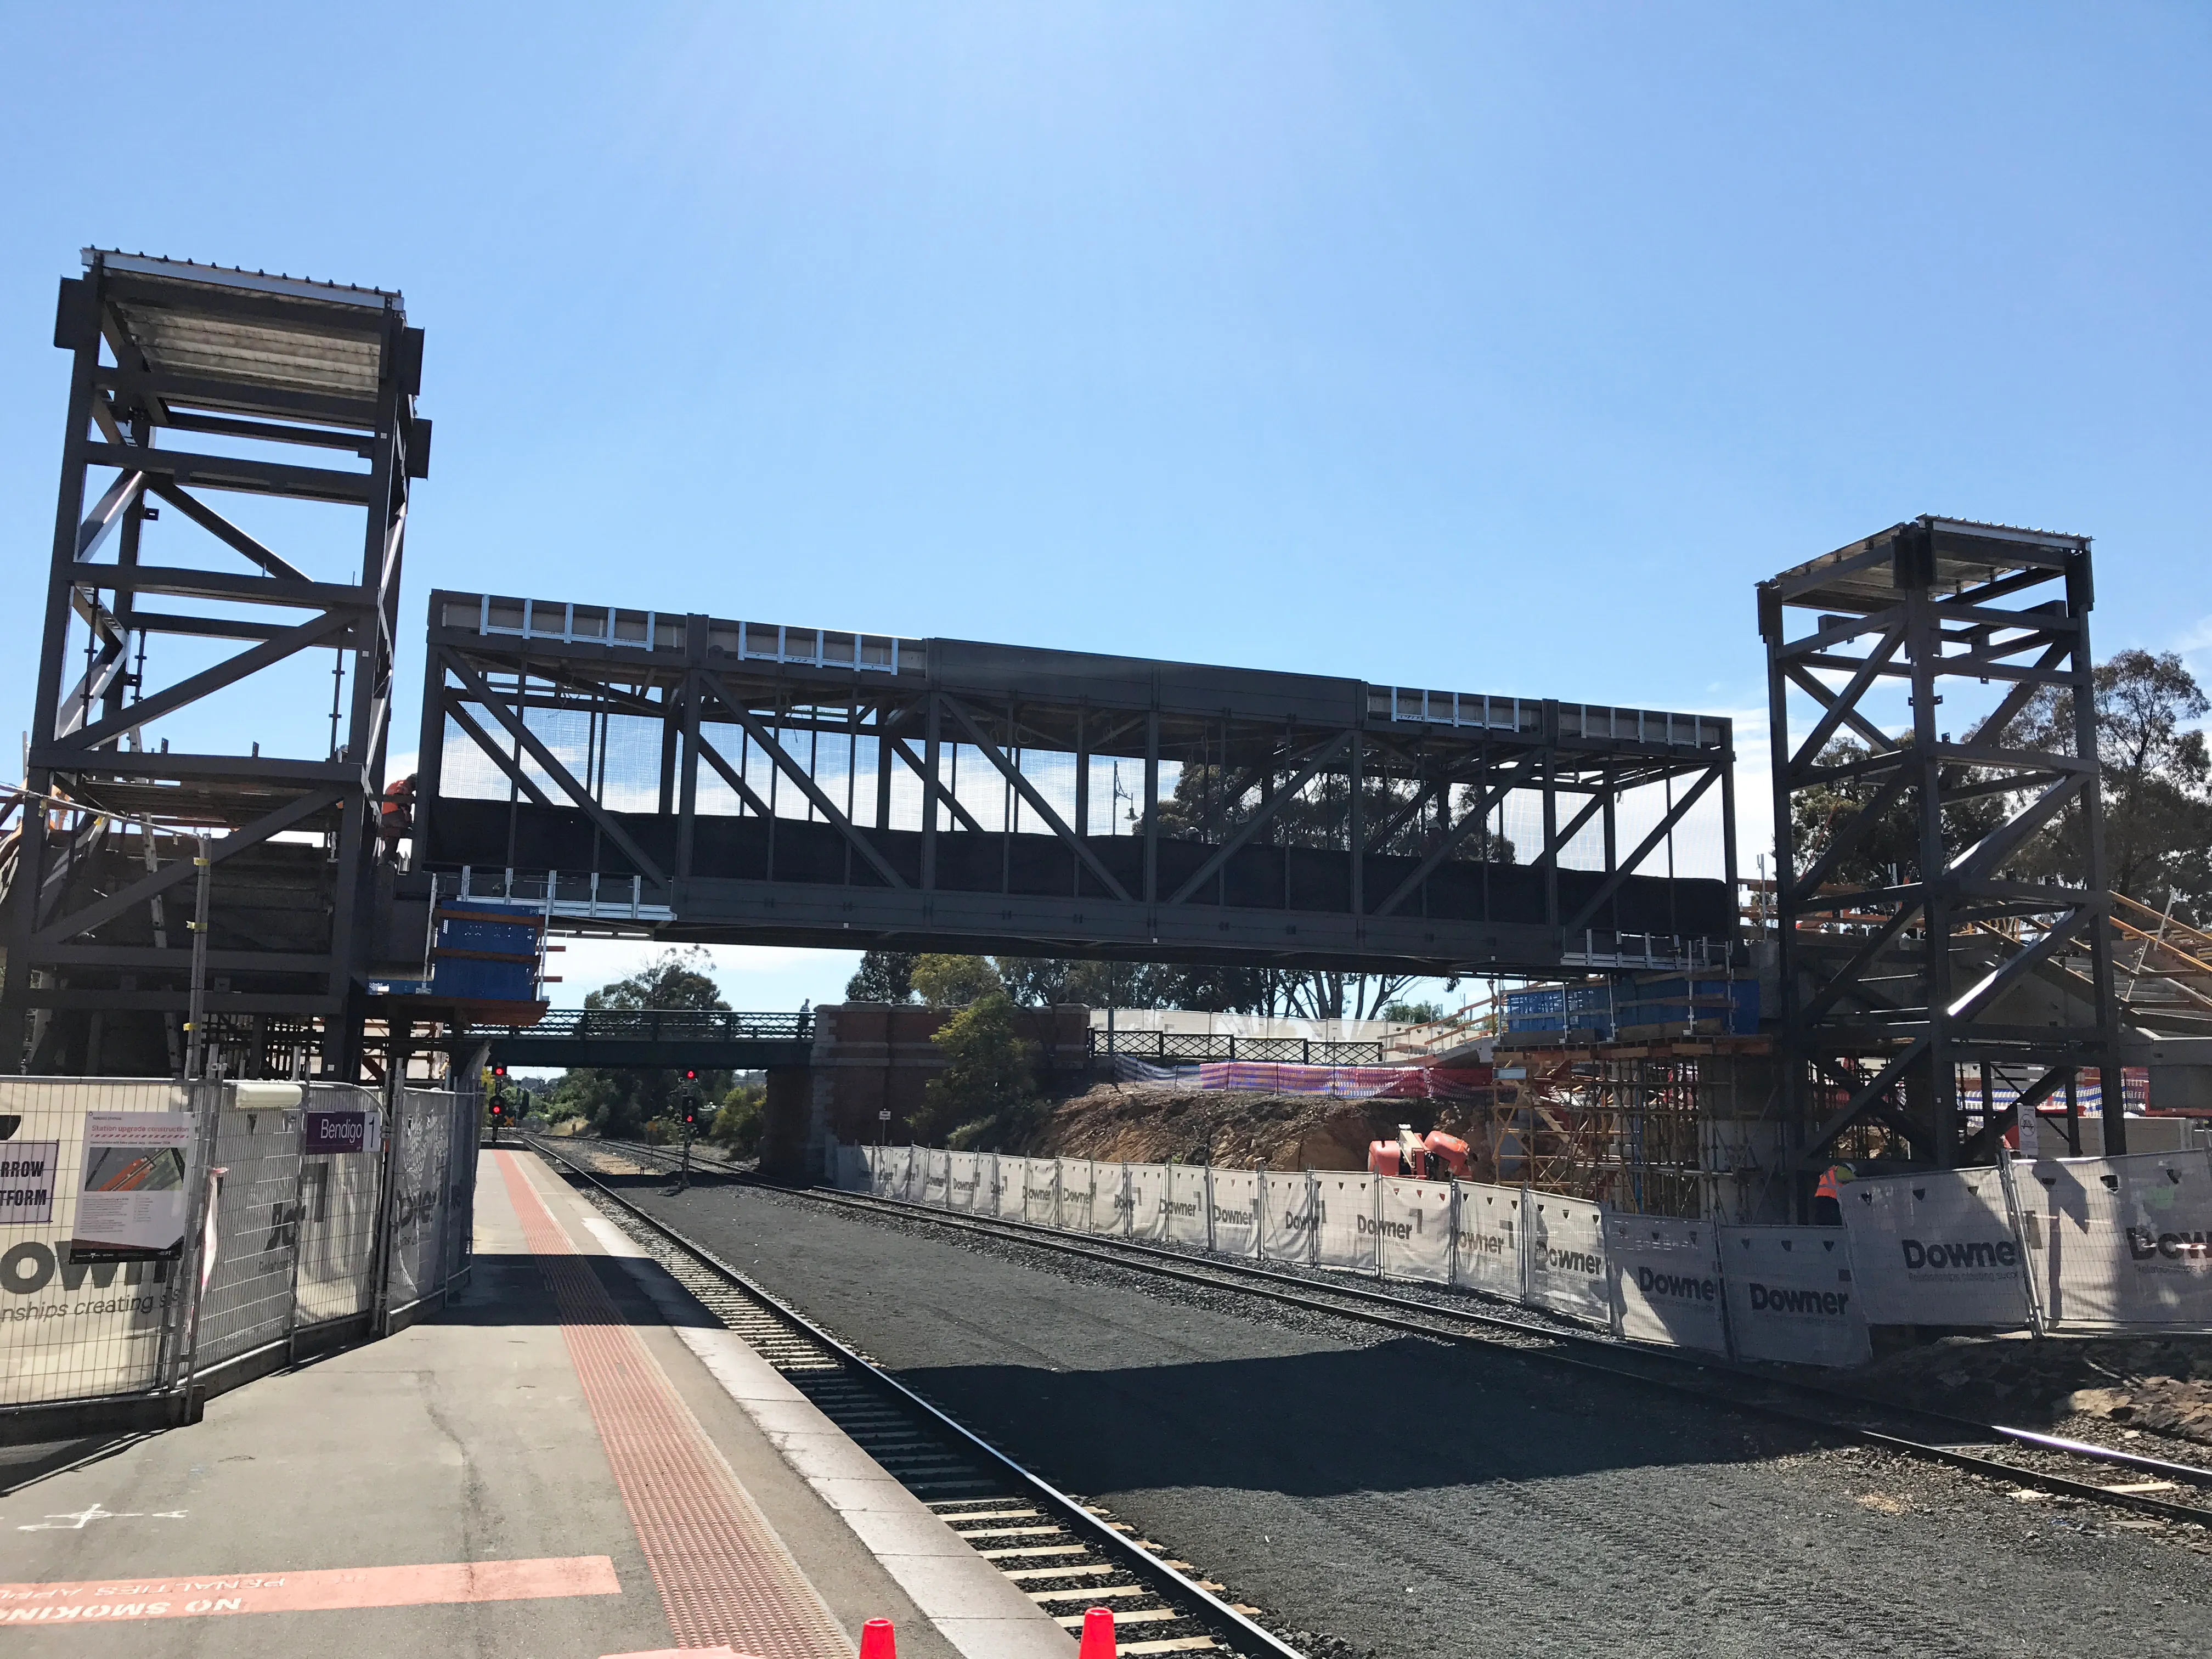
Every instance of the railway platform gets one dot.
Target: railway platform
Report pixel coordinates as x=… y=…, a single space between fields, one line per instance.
x=573 y=1460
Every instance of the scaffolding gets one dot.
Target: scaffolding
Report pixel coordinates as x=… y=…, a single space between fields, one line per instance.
x=164 y=653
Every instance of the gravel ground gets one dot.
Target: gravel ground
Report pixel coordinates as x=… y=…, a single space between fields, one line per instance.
x=1394 y=1497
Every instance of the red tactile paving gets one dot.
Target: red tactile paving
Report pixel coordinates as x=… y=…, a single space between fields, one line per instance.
x=724 y=1576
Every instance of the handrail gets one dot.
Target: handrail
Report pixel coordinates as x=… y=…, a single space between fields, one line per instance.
x=659 y=1025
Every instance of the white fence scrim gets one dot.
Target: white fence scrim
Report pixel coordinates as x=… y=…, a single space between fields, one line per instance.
x=1234 y=1195
x=1413 y=1222
x=1187 y=1223
x=2074 y=1244
x=1486 y=1256
x=1286 y=1216
x=1148 y=1203
x=1109 y=1198
x=1077 y=1179
x=1345 y=1219
x=1790 y=1296
x=1041 y=1191
x=1565 y=1257
x=2119 y=1242
x=1666 y=1281
x=1936 y=1249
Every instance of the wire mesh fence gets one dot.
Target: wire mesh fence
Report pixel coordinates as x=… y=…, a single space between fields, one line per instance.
x=73 y=1325
x=153 y=1234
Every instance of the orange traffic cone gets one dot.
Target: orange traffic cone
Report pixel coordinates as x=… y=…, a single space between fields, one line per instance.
x=1097 y=1635
x=876 y=1641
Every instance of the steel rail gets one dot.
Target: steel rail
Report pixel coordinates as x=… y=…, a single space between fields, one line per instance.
x=1224 y=1275
x=1209 y=1610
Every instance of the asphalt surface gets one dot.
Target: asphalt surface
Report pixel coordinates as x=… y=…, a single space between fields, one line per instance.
x=1379 y=1494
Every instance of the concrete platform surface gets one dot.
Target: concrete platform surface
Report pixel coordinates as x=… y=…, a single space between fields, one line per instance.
x=571 y=1461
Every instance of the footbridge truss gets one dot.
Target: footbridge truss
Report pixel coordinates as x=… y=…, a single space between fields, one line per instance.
x=722 y=781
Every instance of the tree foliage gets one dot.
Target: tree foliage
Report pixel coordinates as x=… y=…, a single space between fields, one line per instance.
x=621 y=1102
x=739 y=1125
x=2158 y=819
x=954 y=981
x=987 y=1088
x=882 y=976
x=2156 y=792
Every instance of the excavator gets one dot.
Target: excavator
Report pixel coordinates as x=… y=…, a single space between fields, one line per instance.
x=1433 y=1156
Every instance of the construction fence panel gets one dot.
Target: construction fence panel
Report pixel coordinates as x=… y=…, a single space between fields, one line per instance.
x=1413 y=1221
x=1936 y=1249
x=245 y=1302
x=1344 y=1215
x=936 y=1177
x=1790 y=1296
x=1109 y=1198
x=73 y=1329
x=1078 y=1181
x=1148 y=1203
x=902 y=1174
x=1286 y=1216
x=964 y=1179
x=1565 y=1257
x=1487 y=1239
x=1189 y=1222
x=421 y=1197
x=1666 y=1281
x=1041 y=1191
x=1013 y=1188
x=339 y=1200
x=460 y=1183
x=1233 y=1196
x=2118 y=1244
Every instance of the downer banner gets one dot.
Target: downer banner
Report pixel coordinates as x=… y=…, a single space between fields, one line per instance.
x=1790 y=1296
x=1666 y=1281
x=2106 y=1243
x=1936 y=1249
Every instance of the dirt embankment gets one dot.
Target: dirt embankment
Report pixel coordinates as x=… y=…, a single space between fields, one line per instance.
x=1142 y=1123
x=2158 y=1386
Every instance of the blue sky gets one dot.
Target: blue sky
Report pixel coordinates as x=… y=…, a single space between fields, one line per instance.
x=1497 y=348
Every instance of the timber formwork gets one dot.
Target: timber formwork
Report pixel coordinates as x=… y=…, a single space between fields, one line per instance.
x=1929 y=874
x=189 y=383
x=703 y=779
x=1681 y=1128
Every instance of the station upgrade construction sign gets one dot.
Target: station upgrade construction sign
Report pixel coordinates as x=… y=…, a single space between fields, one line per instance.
x=1936 y=1249
x=134 y=1189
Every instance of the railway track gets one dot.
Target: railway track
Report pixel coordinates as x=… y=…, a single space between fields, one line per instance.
x=2034 y=1461
x=1063 y=1555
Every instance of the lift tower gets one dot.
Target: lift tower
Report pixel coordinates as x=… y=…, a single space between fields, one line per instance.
x=1941 y=888
x=162 y=655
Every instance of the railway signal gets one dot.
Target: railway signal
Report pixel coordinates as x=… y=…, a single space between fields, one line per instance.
x=687 y=1117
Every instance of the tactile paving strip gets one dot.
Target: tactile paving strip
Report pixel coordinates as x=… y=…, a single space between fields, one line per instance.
x=724 y=1576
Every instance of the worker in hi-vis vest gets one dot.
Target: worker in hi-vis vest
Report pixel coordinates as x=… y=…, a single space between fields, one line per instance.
x=396 y=815
x=1828 y=1196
